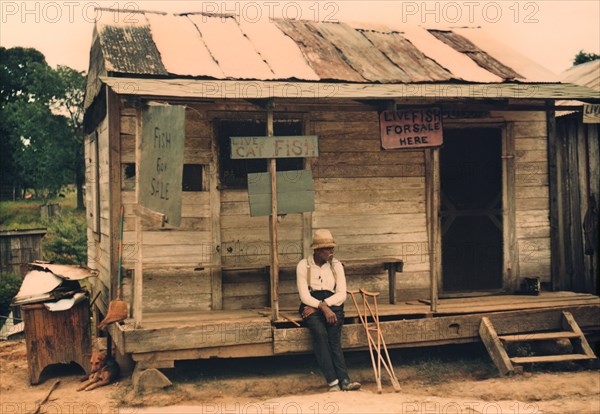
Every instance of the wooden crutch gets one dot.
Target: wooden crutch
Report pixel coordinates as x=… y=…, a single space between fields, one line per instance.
x=370 y=341
x=387 y=363
x=380 y=341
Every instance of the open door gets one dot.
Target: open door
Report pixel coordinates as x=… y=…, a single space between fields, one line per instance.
x=471 y=210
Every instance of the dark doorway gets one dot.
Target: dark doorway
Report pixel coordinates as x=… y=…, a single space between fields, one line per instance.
x=471 y=209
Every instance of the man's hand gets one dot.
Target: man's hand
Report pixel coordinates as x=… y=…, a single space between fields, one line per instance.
x=328 y=313
x=307 y=311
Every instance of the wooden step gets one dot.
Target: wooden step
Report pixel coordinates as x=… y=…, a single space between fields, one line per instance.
x=522 y=337
x=550 y=358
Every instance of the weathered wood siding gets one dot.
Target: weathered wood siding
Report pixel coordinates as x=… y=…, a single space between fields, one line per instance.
x=532 y=208
x=18 y=249
x=372 y=201
x=98 y=209
x=189 y=245
x=577 y=158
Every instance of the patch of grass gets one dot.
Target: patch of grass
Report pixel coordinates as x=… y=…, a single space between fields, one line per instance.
x=66 y=238
x=20 y=215
x=25 y=214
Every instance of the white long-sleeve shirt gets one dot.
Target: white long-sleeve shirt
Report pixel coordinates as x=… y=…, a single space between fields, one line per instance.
x=321 y=278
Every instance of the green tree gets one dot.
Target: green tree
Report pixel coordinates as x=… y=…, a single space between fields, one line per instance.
x=40 y=121
x=70 y=102
x=25 y=79
x=39 y=152
x=583 y=57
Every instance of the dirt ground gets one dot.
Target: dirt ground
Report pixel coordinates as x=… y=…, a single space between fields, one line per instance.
x=440 y=380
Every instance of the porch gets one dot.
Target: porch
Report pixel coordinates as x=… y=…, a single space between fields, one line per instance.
x=169 y=336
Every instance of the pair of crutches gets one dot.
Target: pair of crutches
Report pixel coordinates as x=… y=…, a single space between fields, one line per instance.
x=375 y=345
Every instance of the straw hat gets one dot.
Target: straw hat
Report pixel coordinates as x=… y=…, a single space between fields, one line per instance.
x=322 y=238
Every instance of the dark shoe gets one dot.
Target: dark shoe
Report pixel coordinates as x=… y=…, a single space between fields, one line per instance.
x=350 y=386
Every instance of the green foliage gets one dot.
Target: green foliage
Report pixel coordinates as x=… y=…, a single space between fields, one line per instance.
x=40 y=123
x=20 y=215
x=9 y=286
x=25 y=214
x=583 y=57
x=66 y=240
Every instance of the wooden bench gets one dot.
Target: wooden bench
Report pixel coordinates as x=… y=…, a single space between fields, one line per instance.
x=391 y=264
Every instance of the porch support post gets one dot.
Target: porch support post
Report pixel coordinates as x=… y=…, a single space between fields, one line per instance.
x=138 y=276
x=432 y=184
x=555 y=181
x=274 y=268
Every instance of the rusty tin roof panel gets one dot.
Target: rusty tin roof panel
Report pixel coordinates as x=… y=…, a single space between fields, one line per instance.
x=586 y=74
x=416 y=66
x=283 y=55
x=221 y=47
x=459 y=64
x=321 y=55
x=463 y=45
x=127 y=44
x=230 y=48
x=523 y=65
x=359 y=53
x=182 y=48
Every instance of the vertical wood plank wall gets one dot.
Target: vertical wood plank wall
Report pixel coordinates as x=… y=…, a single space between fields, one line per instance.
x=187 y=245
x=578 y=149
x=373 y=201
x=532 y=208
x=99 y=242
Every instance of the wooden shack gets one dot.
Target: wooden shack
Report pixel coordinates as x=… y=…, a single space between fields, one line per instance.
x=467 y=220
x=577 y=158
x=18 y=248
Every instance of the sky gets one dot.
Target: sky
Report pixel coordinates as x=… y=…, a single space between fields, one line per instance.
x=548 y=32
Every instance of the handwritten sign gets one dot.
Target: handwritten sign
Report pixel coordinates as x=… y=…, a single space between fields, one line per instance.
x=274 y=147
x=410 y=129
x=295 y=192
x=161 y=163
x=591 y=113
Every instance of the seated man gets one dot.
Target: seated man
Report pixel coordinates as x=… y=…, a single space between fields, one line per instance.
x=322 y=287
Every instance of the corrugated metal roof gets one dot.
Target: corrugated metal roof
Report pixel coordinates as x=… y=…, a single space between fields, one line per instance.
x=320 y=54
x=221 y=47
x=530 y=70
x=463 y=45
x=230 y=48
x=168 y=31
x=128 y=47
x=416 y=66
x=585 y=74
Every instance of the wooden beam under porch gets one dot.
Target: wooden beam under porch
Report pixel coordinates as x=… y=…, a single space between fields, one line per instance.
x=242 y=333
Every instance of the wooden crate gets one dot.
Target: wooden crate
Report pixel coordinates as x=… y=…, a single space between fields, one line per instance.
x=56 y=337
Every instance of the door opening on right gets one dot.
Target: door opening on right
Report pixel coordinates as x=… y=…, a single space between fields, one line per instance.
x=471 y=209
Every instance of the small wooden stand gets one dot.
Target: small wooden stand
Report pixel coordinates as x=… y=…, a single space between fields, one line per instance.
x=56 y=337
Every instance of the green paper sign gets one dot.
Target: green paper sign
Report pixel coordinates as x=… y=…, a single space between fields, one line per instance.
x=295 y=192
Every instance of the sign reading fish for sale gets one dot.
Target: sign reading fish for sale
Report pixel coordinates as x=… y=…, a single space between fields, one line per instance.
x=411 y=128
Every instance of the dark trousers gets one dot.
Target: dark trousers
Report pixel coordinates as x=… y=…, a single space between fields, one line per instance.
x=327 y=343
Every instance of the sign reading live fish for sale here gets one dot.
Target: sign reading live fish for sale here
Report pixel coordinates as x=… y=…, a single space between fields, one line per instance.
x=411 y=128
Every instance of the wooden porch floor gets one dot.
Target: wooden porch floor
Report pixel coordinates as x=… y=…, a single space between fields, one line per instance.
x=191 y=335
x=410 y=309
